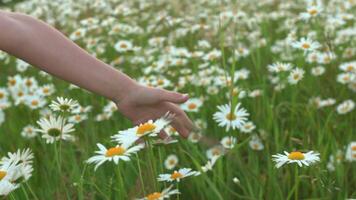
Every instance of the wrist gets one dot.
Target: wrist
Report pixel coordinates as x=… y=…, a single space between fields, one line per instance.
x=124 y=87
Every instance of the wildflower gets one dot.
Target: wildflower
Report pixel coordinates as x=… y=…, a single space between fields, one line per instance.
x=312 y=11
x=351 y=152
x=165 y=194
x=171 y=162
x=235 y=119
x=115 y=154
x=295 y=76
x=54 y=129
x=306 y=44
x=149 y=128
x=123 y=46
x=228 y=142
x=29 y=132
x=177 y=175
x=255 y=143
x=14 y=169
x=345 y=107
x=64 y=105
x=296 y=157
x=279 y=67
x=248 y=127
x=192 y=105
x=317 y=71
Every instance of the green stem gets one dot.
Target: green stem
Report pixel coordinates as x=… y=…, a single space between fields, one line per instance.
x=140 y=174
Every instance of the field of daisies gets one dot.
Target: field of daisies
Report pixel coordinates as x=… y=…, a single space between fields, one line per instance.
x=272 y=88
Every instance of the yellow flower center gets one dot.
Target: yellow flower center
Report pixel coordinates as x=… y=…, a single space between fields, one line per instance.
x=296 y=155
x=34 y=102
x=154 y=196
x=349 y=68
x=115 y=151
x=172 y=162
x=12 y=82
x=313 y=12
x=144 y=128
x=230 y=116
x=353 y=148
x=123 y=46
x=176 y=175
x=306 y=46
x=192 y=106
x=2 y=95
x=2 y=174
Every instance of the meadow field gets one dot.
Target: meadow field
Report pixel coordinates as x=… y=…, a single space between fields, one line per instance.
x=272 y=87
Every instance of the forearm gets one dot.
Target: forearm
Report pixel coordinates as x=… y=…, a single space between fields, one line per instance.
x=41 y=45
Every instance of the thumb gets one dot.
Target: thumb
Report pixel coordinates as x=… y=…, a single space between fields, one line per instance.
x=174 y=97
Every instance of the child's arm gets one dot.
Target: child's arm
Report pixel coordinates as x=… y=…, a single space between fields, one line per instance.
x=45 y=47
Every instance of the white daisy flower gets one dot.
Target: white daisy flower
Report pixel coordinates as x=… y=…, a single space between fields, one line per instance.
x=54 y=129
x=177 y=175
x=306 y=44
x=317 y=71
x=235 y=119
x=296 y=157
x=248 y=127
x=165 y=194
x=171 y=162
x=295 y=76
x=345 y=107
x=149 y=128
x=351 y=152
x=123 y=46
x=346 y=78
x=29 y=132
x=63 y=104
x=115 y=154
x=255 y=143
x=312 y=11
x=194 y=137
x=279 y=67
x=228 y=142
x=192 y=105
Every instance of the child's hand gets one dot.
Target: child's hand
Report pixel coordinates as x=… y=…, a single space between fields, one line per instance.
x=142 y=103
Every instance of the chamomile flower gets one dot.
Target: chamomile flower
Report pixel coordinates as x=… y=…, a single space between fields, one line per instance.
x=351 y=152
x=345 y=107
x=177 y=175
x=165 y=194
x=306 y=44
x=54 y=129
x=150 y=128
x=248 y=127
x=235 y=119
x=192 y=105
x=228 y=142
x=14 y=169
x=29 y=132
x=255 y=143
x=114 y=154
x=311 y=12
x=298 y=157
x=279 y=67
x=295 y=76
x=123 y=46
x=317 y=71
x=63 y=104
x=171 y=162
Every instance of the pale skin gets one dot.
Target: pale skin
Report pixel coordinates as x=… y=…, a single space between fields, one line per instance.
x=46 y=48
